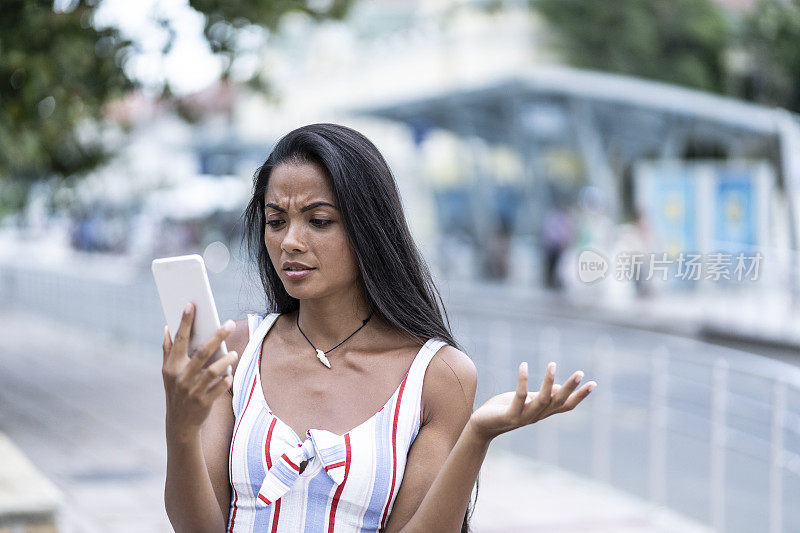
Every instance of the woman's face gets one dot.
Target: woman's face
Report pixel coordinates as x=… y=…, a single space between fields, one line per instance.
x=303 y=225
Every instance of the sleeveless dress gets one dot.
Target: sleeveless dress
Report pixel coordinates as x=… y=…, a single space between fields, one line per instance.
x=350 y=481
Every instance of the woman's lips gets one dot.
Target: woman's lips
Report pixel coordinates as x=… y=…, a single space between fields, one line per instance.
x=298 y=274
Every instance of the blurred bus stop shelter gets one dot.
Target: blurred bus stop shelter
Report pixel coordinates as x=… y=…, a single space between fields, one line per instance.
x=611 y=122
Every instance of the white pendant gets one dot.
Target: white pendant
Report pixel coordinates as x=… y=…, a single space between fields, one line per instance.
x=322 y=358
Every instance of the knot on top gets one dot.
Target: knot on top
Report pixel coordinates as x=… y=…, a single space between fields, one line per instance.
x=330 y=449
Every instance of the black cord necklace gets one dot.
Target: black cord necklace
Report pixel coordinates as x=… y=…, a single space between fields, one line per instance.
x=320 y=353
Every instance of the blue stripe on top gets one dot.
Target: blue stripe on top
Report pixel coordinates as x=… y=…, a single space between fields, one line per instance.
x=383 y=476
x=255 y=466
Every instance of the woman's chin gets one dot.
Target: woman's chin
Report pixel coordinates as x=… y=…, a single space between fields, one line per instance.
x=301 y=293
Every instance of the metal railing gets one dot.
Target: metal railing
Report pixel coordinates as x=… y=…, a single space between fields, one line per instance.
x=710 y=432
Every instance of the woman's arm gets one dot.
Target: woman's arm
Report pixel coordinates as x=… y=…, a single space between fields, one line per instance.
x=192 y=473
x=189 y=497
x=448 y=395
x=443 y=506
x=197 y=487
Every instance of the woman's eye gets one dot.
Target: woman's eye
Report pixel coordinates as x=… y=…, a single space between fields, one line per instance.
x=319 y=222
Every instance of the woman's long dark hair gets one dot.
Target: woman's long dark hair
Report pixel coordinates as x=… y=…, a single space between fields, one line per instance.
x=395 y=278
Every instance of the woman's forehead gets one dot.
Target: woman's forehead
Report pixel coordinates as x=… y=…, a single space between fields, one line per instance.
x=298 y=199
x=304 y=182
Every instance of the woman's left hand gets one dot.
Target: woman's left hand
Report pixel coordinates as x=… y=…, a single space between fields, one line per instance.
x=512 y=410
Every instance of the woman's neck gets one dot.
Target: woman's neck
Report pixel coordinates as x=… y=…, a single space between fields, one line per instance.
x=327 y=322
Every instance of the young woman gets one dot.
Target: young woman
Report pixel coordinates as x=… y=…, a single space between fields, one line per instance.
x=354 y=319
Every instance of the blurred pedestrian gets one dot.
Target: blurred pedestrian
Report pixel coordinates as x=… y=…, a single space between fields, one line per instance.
x=556 y=236
x=644 y=237
x=498 y=251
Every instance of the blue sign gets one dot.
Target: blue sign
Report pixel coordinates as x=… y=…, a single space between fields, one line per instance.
x=734 y=220
x=673 y=209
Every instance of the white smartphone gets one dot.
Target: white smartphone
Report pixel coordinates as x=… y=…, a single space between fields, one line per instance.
x=180 y=280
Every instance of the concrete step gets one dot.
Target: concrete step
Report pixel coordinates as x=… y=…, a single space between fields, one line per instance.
x=29 y=502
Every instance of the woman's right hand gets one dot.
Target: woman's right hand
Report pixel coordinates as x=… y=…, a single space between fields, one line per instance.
x=191 y=389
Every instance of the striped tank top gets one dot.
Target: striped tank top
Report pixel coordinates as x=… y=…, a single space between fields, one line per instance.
x=349 y=482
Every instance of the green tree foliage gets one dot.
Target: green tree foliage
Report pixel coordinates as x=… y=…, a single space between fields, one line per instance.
x=771 y=40
x=679 y=41
x=56 y=73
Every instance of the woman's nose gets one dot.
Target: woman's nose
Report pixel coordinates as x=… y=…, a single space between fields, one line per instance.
x=293 y=239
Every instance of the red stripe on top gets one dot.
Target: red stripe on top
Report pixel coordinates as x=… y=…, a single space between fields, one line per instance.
x=230 y=458
x=335 y=502
x=267 y=443
x=286 y=458
x=394 y=450
x=334 y=465
x=277 y=514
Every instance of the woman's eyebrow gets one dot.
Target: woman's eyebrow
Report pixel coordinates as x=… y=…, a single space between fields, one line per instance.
x=303 y=209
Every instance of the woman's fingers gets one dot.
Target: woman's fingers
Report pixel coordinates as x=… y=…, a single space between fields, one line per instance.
x=577 y=397
x=166 y=346
x=218 y=388
x=201 y=355
x=546 y=392
x=212 y=372
x=518 y=402
x=544 y=397
x=569 y=386
x=184 y=330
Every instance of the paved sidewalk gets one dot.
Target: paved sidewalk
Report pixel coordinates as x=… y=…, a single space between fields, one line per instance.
x=88 y=411
x=518 y=495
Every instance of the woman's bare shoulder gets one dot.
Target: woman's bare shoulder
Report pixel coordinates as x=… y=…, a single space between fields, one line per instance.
x=237 y=341
x=450 y=381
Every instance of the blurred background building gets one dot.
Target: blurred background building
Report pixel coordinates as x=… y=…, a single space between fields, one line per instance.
x=659 y=137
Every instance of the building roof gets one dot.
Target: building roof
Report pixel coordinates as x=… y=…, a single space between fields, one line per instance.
x=490 y=106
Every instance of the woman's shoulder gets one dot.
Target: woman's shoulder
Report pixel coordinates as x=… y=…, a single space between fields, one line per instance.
x=451 y=365
x=450 y=377
x=237 y=341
